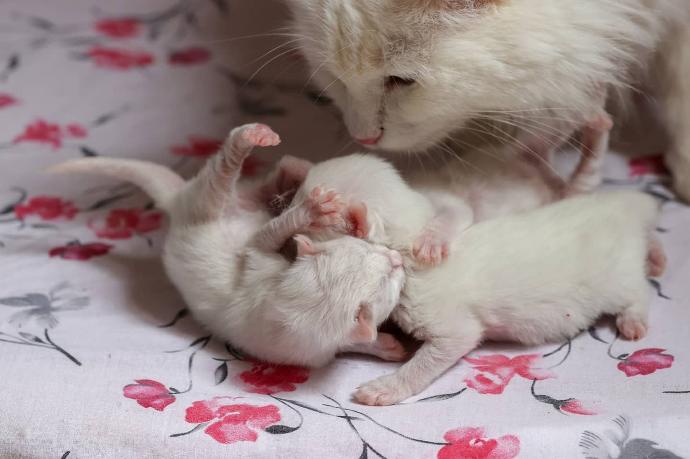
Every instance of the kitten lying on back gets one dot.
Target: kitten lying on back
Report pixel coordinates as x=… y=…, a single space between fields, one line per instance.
x=222 y=253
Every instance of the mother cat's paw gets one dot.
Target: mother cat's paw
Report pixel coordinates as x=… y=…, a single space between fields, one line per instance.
x=383 y=391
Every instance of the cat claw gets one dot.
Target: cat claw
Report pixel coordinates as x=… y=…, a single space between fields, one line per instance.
x=383 y=391
x=258 y=135
x=430 y=249
x=325 y=208
x=632 y=328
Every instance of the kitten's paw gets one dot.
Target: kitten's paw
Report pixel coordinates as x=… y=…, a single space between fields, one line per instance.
x=257 y=135
x=631 y=327
x=430 y=248
x=600 y=123
x=389 y=348
x=656 y=258
x=325 y=208
x=383 y=391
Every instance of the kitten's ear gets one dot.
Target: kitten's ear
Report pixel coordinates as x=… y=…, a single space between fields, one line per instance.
x=304 y=246
x=365 y=329
x=357 y=220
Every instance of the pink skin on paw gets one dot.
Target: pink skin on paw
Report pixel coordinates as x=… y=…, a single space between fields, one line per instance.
x=324 y=208
x=382 y=391
x=601 y=123
x=389 y=348
x=260 y=135
x=430 y=248
x=656 y=260
x=632 y=328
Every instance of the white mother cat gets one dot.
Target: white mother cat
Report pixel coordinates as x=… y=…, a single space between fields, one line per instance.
x=408 y=73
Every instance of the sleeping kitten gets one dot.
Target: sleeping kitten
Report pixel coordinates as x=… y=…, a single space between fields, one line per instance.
x=222 y=253
x=539 y=276
x=407 y=74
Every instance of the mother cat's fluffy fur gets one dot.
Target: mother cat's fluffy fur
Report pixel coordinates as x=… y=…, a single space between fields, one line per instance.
x=408 y=73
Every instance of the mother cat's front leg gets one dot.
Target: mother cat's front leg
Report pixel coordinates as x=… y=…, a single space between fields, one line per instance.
x=442 y=348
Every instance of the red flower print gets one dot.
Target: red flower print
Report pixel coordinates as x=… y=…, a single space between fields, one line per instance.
x=645 y=362
x=76 y=130
x=494 y=372
x=6 y=100
x=189 y=56
x=234 y=422
x=46 y=208
x=575 y=407
x=265 y=378
x=41 y=131
x=78 y=251
x=118 y=27
x=469 y=443
x=125 y=223
x=149 y=394
x=51 y=133
x=197 y=146
x=119 y=59
x=647 y=165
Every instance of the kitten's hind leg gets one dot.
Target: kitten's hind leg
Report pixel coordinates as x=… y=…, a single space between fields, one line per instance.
x=656 y=257
x=595 y=144
x=632 y=320
x=453 y=215
x=214 y=186
x=386 y=347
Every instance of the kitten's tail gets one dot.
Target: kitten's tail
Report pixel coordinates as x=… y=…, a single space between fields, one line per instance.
x=159 y=182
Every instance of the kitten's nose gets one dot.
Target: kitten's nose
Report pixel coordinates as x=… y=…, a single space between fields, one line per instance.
x=370 y=140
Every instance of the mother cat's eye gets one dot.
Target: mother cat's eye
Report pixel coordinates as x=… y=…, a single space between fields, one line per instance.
x=394 y=81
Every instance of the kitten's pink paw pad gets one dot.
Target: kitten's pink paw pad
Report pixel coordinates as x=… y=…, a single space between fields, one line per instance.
x=656 y=260
x=325 y=208
x=383 y=391
x=430 y=249
x=259 y=135
x=390 y=349
x=601 y=123
x=632 y=328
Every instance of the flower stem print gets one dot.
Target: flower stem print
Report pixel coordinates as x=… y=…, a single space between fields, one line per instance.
x=28 y=339
x=198 y=345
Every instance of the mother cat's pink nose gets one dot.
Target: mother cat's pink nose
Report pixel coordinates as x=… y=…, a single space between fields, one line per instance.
x=370 y=140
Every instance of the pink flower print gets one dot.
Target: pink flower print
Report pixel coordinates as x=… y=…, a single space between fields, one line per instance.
x=149 y=394
x=471 y=443
x=645 y=362
x=494 y=372
x=268 y=379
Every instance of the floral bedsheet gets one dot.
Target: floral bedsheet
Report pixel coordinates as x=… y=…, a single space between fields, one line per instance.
x=98 y=356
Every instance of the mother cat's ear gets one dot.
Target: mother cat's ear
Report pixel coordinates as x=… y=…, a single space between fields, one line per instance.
x=365 y=329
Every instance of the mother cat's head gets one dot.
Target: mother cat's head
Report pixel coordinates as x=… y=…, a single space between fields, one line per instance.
x=407 y=73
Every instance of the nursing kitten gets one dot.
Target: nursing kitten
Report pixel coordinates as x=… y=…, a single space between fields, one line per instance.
x=222 y=253
x=539 y=276
x=407 y=74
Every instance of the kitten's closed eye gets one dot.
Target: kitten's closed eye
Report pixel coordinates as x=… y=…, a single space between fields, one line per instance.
x=394 y=81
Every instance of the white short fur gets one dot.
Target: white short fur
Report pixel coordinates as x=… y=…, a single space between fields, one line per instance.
x=221 y=252
x=539 y=276
x=410 y=73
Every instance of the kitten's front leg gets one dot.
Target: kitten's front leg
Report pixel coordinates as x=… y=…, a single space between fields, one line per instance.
x=453 y=215
x=320 y=209
x=434 y=357
x=386 y=347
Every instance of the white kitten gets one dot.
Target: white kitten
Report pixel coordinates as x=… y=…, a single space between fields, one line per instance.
x=408 y=73
x=538 y=276
x=222 y=254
